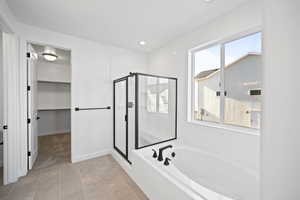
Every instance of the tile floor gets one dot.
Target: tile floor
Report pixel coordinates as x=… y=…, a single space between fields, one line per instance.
x=54 y=177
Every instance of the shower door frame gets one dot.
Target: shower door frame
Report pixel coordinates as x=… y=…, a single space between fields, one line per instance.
x=136 y=76
x=137 y=108
x=124 y=155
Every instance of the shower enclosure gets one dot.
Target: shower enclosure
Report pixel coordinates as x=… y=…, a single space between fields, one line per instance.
x=145 y=112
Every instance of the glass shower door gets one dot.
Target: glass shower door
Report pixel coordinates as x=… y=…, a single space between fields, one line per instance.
x=121 y=116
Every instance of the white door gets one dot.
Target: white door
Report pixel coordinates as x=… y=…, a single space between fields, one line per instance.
x=32 y=110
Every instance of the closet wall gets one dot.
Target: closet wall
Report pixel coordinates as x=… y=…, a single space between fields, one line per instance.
x=54 y=93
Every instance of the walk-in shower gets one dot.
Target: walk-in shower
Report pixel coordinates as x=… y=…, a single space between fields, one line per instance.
x=145 y=111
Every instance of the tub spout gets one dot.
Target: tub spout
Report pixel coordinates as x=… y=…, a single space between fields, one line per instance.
x=160 y=152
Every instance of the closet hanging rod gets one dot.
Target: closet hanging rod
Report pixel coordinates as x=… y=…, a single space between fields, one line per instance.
x=103 y=108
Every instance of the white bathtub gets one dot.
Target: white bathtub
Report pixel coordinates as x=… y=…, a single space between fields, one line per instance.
x=193 y=175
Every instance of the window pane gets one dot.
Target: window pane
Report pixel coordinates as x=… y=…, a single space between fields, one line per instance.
x=206 y=79
x=242 y=75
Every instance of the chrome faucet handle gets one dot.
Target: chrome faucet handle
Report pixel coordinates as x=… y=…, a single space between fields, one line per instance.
x=154 y=153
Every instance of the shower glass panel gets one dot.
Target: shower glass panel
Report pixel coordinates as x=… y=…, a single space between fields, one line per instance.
x=120 y=117
x=157 y=109
x=145 y=112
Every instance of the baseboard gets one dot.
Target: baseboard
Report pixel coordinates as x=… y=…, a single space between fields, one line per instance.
x=122 y=162
x=54 y=132
x=90 y=156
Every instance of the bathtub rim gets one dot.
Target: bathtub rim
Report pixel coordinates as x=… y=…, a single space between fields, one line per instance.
x=184 y=187
x=190 y=189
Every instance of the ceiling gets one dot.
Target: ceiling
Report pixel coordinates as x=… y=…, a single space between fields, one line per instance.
x=121 y=22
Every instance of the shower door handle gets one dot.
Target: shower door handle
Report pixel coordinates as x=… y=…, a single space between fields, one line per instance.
x=126 y=118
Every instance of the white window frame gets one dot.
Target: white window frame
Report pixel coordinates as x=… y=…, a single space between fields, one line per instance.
x=191 y=84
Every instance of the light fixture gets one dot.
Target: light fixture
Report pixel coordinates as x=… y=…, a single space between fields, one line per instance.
x=143 y=43
x=49 y=54
x=208 y=1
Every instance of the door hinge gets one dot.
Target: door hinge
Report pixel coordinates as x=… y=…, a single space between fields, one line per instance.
x=218 y=93
x=29 y=153
x=5 y=127
x=255 y=92
x=28 y=87
x=28 y=120
x=28 y=54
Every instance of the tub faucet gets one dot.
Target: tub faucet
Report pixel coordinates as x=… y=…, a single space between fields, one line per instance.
x=160 y=152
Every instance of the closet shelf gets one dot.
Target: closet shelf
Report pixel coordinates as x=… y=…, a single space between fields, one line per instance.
x=52 y=109
x=54 y=82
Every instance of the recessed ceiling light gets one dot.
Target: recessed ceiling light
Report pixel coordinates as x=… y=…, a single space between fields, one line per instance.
x=207 y=1
x=143 y=43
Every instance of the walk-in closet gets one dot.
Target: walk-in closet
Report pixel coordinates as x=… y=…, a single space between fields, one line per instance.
x=49 y=102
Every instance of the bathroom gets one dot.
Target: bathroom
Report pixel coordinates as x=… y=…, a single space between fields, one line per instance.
x=158 y=107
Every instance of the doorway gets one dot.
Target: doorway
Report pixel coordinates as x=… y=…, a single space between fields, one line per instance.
x=48 y=106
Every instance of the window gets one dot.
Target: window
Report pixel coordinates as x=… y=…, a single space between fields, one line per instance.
x=226 y=82
x=157 y=95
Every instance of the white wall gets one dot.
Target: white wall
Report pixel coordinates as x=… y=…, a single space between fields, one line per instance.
x=280 y=137
x=53 y=95
x=93 y=68
x=54 y=122
x=172 y=60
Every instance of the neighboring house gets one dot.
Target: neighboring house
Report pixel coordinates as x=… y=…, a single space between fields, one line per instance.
x=243 y=88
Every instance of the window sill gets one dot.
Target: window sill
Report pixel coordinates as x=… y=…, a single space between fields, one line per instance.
x=227 y=127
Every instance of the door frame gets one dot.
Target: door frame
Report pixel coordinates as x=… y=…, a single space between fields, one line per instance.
x=124 y=155
x=23 y=65
x=31 y=153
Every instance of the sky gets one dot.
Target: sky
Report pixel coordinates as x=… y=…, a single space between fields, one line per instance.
x=210 y=58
